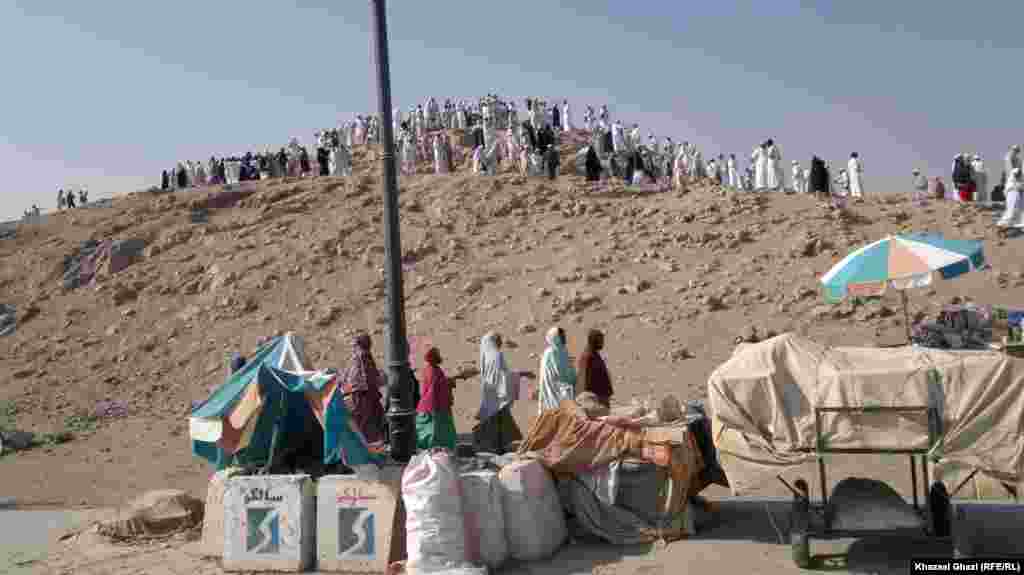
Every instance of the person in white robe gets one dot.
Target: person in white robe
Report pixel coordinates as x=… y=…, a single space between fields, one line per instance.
x=759 y=159
x=618 y=139
x=485 y=113
x=806 y=180
x=733 y=174
x=855 y=172
x=798 y=178
x=409 y=149
x=843 y=183
x=773 y=170
x=512 y=147
x=440 y=156
x=981 y=193
x=566 y=116
x=920 y=187
x=332 y=162
x=679 y=168
x=634 y=137
x=1013 y=213
x=1011 y=160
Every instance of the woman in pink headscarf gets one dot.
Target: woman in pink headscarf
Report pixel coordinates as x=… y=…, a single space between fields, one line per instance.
x=435 y=426
x=362 y=384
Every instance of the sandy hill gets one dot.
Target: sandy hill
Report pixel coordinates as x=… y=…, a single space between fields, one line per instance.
x=673 y=278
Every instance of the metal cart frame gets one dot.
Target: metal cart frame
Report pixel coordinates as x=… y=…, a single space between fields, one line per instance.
x=934 y=515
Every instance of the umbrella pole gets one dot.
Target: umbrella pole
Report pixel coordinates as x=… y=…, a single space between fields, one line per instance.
x=906 y=314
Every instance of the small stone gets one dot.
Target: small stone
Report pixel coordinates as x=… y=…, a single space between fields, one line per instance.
x=680 y=354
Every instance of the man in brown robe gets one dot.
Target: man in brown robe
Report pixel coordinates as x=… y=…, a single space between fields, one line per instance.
x=592 y=373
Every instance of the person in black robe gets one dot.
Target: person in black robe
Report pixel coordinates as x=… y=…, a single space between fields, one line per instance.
x=531 y=135
x=593 y=165
x=551 y=162
x=323 y=158
x=182 y=180
x=556 y=117
x=165 y=181
x=820 y=179
x=69 y=199
x=282 y=161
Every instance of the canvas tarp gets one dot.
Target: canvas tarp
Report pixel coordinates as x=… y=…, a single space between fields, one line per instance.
x=237 y=420
x=762 y=403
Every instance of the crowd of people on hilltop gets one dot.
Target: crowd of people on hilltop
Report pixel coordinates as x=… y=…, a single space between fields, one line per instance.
x=970 y=184
x=66 y=199
x=501 y=140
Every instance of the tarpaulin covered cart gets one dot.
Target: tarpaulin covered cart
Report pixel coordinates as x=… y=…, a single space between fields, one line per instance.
x=788 y=401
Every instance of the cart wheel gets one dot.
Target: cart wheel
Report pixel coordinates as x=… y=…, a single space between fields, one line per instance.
x=939 y=510
x=801 y=544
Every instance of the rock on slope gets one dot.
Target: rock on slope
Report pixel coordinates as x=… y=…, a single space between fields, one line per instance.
x=673 y=278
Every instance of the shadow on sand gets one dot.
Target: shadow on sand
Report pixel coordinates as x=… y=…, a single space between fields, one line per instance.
x=768 y=521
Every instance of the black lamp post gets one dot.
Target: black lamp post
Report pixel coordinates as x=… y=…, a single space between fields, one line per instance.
x=401 y=412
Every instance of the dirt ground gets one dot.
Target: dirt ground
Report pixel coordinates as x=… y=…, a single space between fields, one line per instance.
x=672 y=278
x=743 y=535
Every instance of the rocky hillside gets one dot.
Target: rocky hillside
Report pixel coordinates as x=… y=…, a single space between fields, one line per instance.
x=673 y=278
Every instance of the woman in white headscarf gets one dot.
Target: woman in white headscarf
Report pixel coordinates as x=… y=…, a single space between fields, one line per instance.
x=499 y=386
x=557 y=374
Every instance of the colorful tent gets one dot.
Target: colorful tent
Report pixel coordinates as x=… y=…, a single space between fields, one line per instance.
x=236 y=423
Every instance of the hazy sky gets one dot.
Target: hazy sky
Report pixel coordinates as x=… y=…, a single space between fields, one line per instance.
x=107 y=94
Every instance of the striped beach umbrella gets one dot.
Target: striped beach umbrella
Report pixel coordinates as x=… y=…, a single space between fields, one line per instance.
x=900 y=262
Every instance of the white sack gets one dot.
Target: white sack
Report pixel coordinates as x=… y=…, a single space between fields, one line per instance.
x=534 y=523
x=482 y=497
x=435 y=531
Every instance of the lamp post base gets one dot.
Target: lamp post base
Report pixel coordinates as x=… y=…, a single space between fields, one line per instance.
x=402 y=432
